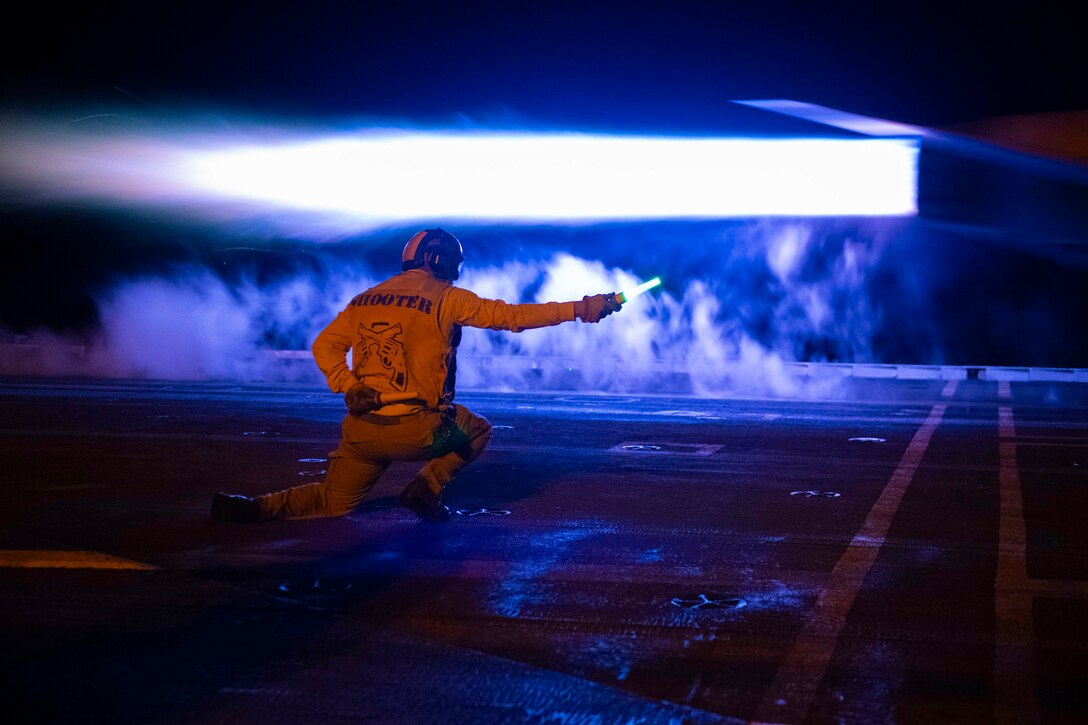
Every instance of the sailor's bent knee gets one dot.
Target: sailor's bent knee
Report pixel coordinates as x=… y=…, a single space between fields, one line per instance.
x=480 y=428
x=477 y=431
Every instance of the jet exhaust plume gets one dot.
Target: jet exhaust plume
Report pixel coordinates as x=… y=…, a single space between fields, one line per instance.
x=330 y=183
x=781 y=274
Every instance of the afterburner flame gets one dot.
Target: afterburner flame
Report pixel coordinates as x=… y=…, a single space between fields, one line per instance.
x=349 y=182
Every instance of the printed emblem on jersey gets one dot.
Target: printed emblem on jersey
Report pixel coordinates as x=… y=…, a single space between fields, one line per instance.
x=381 y=353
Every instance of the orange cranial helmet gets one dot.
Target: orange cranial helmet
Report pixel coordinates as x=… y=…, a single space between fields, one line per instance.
x=438 y=249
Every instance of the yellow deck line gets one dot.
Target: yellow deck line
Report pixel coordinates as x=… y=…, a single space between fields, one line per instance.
x=1016 y=690
x=39 y=559
x=794 y=688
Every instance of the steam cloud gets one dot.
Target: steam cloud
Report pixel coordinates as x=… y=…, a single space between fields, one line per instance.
x=778 y=291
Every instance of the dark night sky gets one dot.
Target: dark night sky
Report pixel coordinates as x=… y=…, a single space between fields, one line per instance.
x=665 y=66
x=632 y=66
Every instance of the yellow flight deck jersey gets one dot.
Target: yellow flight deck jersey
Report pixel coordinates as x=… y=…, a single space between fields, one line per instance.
x=404 y=332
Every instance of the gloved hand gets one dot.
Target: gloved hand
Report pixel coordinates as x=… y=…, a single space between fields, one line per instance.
x=595 y=308
x=362 y=399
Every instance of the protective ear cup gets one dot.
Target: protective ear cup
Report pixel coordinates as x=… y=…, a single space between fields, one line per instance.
x=441 y=263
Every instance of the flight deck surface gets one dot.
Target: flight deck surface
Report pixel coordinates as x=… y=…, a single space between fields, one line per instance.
x=907 y=551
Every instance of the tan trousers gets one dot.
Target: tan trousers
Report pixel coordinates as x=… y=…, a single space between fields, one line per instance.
x=448 y=444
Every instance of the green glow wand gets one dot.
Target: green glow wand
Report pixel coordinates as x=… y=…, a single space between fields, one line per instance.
x=623 y=297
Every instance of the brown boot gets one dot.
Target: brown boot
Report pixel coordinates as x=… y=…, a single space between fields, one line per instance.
x=418 y=496
x=235 y=508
